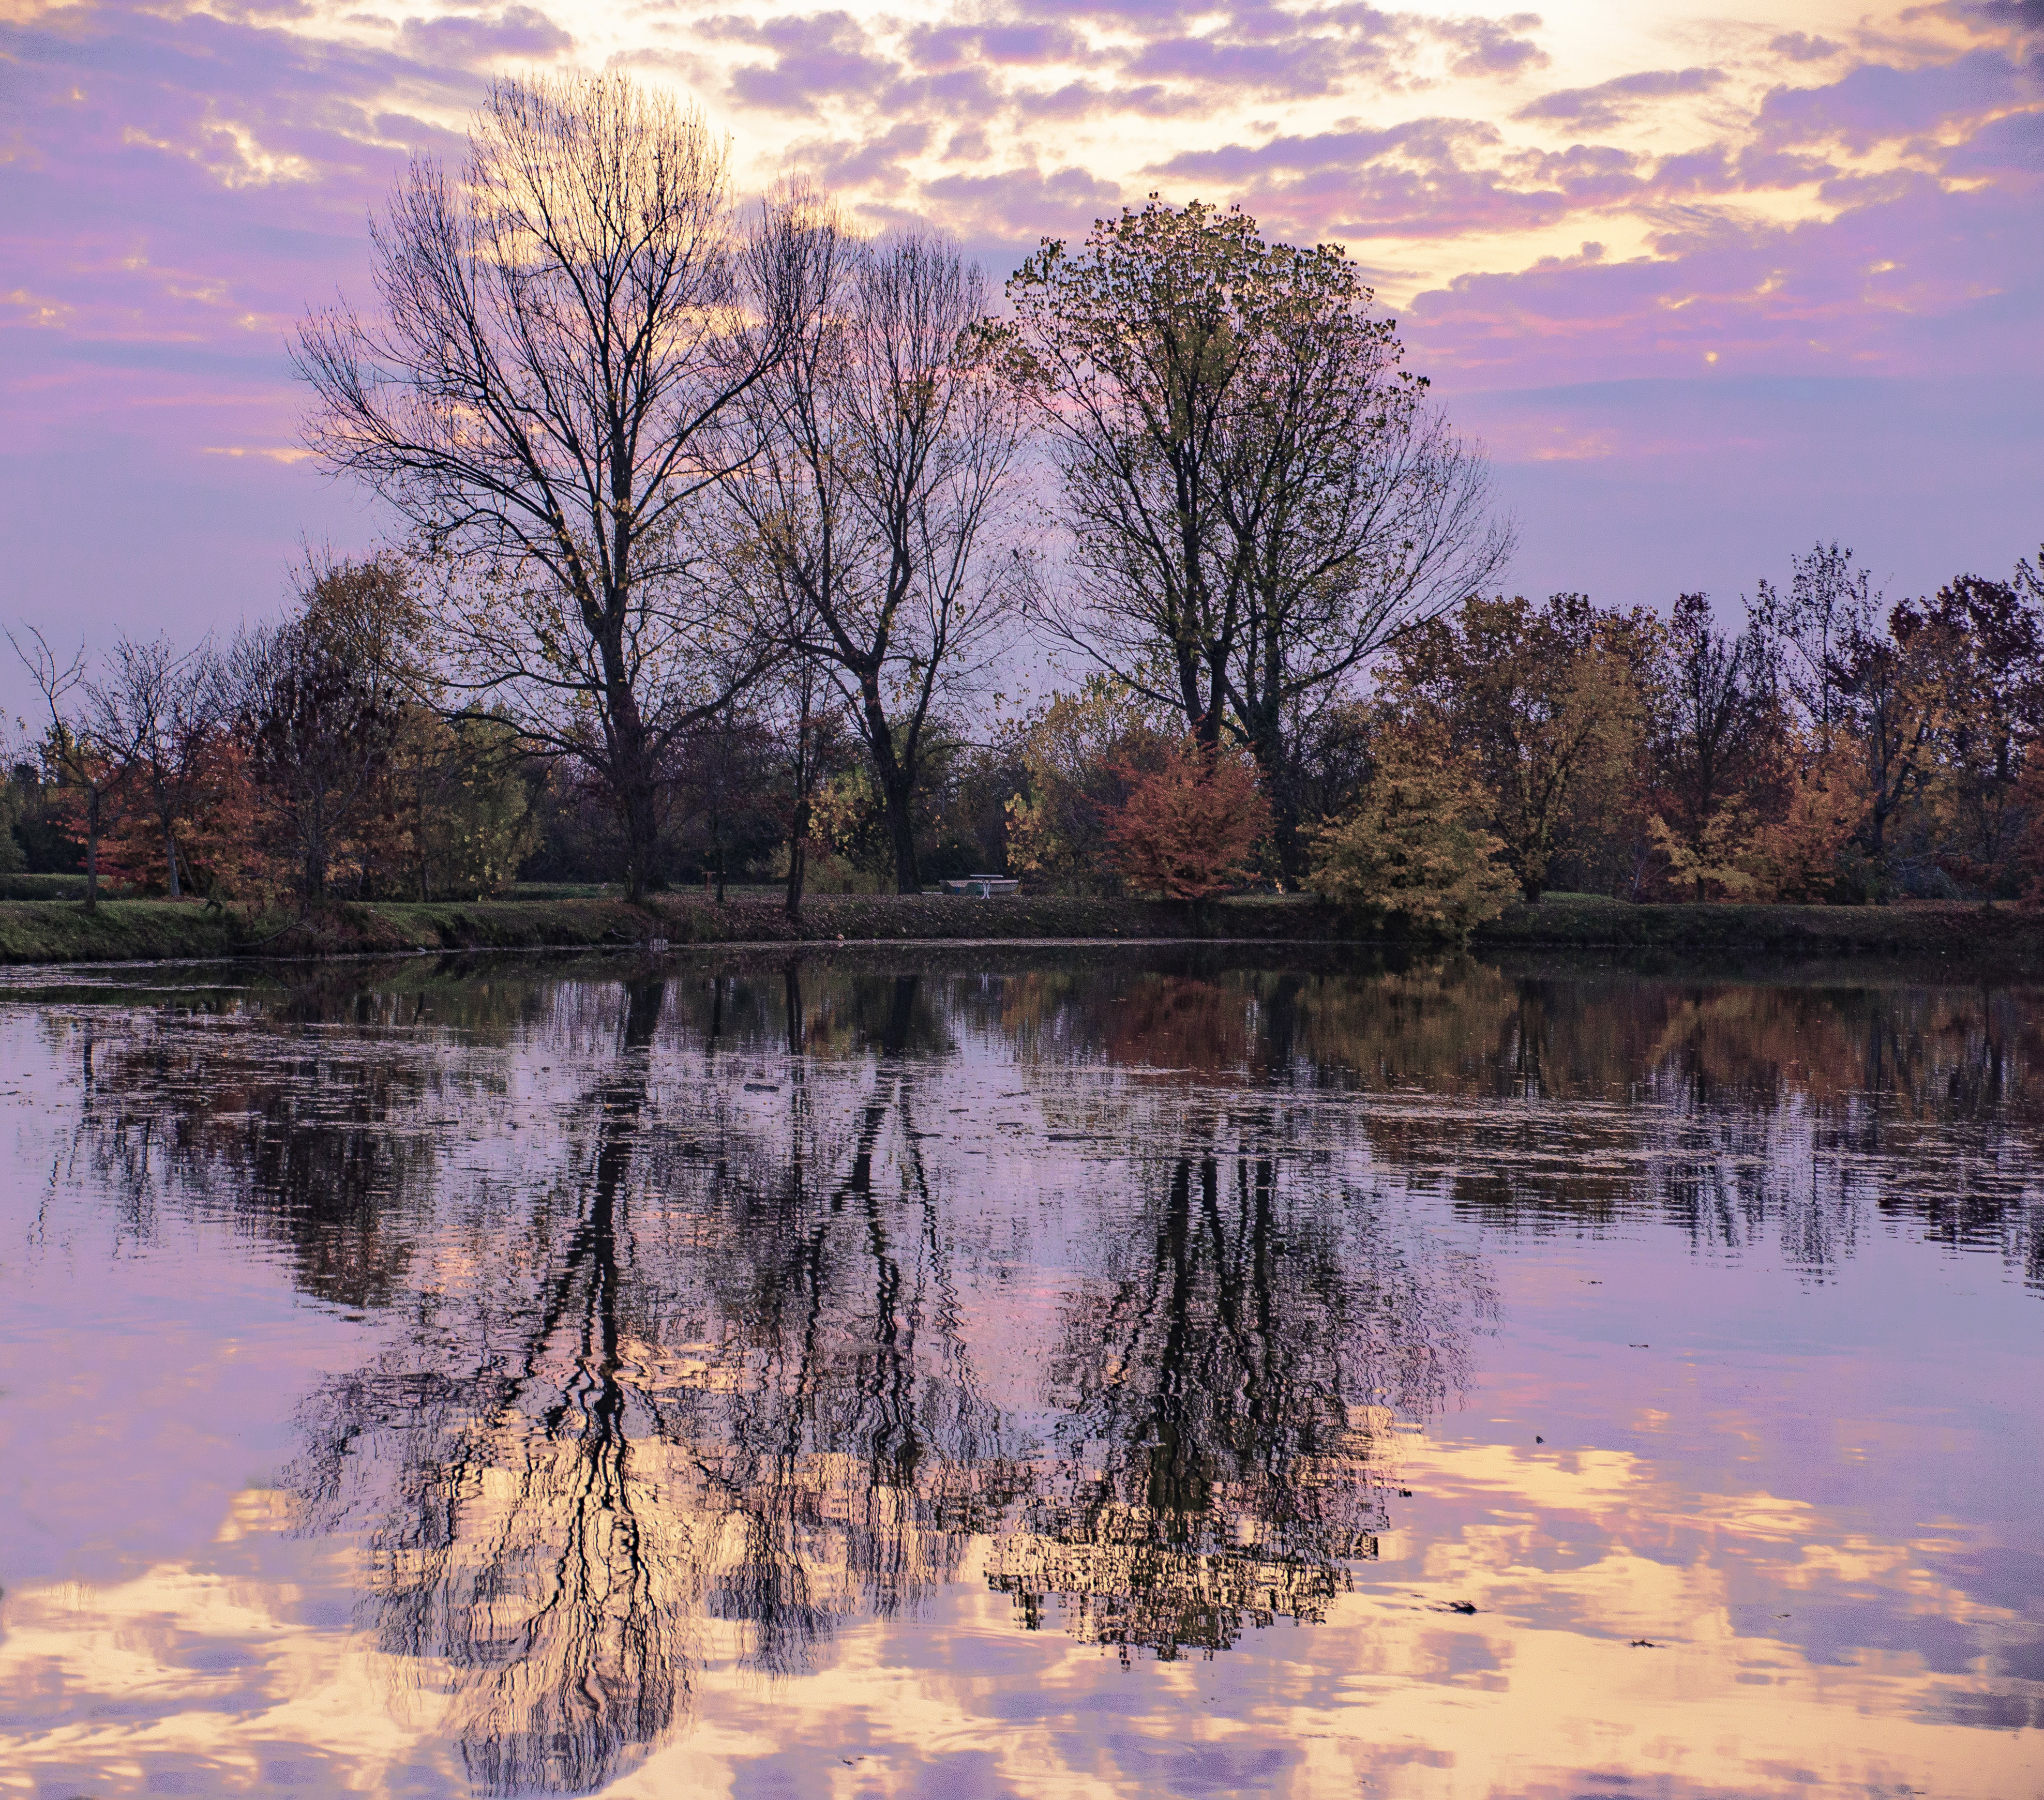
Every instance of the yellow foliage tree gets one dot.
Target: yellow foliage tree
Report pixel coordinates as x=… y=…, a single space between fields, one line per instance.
x=1415 y=852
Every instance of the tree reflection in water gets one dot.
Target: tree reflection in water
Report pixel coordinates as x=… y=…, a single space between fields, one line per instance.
x=751 y=1406
x=517 y=1532
x=713 y=1373
x=1219 y=1400
x=726 y=1381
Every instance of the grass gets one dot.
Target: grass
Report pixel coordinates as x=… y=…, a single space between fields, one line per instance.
x=46 y=887
x=38 y=930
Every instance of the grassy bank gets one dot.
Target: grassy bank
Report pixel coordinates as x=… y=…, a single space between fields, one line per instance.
x=132 y=931
x=140 y=931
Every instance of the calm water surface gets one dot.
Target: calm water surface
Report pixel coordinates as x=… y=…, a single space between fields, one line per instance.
x=1049 y=1374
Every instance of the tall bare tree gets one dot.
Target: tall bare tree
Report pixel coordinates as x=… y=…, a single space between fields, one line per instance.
x=873 y=515
x=566 y=329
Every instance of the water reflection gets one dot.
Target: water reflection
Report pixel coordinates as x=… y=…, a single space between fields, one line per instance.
x=719 y=1307
x=718 y=1372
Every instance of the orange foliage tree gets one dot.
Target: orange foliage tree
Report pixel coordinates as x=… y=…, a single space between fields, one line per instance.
x=1189 y=827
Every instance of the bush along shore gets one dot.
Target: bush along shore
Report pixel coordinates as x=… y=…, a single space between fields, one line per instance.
x=146 y=931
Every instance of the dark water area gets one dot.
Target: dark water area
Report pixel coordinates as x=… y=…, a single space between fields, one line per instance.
x=1021 y=1372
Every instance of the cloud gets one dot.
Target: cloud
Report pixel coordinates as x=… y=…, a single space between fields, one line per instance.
x=1877 y=103
x=1911 y=279
x=1431 y=177
x=1018 y=203
x=876 y=164
x=1494 y=47
x=1800 y=46
x=1611 y=102
x=518 y=31
x=817 y=56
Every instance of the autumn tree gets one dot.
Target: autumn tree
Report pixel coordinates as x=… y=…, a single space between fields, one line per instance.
x=1257 y=495
x=1190 y=827
x=1078 y=753
x=160 y=712
x=1715 y=735
x=319 y=720
x=1989 y=635
x=1892 y=698
x=566 y=329
x=1542 y=703
x=1415 y=852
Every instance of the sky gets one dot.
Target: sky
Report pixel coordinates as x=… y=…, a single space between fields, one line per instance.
x=1711 y=284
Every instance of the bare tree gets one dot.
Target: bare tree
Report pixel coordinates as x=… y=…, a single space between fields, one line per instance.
x=871 y=519
x=84 y=760
x=1830 y=608
x=159 y=710
x=566 y=331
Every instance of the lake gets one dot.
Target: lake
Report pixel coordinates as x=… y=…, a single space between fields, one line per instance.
x=1017 y=1370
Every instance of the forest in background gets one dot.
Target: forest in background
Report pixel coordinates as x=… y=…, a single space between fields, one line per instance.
x=719 y=526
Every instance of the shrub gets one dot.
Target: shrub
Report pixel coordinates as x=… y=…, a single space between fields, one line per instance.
x=1190 y=827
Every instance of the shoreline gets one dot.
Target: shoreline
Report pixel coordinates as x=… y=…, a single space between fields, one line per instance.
x=55 y=932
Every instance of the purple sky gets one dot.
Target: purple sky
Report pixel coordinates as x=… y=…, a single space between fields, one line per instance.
x=1710 y=286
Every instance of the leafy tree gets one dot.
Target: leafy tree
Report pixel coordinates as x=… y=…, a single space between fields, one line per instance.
x=1892 y=698
x=1257 y=495
x=1542 y=703
x=1716 y=734
x=159 y=713
x=723 y=776
x=1190 y=827
x=320 y=722
x=1990 y=636
x=454 y=815
x=1077 y=752
x=15 y=788
x=1415 y=851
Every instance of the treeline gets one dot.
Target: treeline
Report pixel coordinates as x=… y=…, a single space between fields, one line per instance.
x=719 y=526
x=1832 y=749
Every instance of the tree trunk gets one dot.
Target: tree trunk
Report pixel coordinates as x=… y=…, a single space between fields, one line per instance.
x=92 y=850
x=642 y=833
x=798 y=858
x=901 y=828
x=632 y=774
x=171 y=859
x=897 y=787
